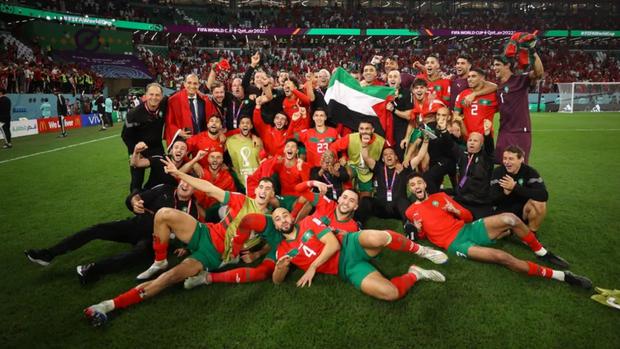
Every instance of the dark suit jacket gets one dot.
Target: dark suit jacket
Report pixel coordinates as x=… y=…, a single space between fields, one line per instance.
x=179 y=116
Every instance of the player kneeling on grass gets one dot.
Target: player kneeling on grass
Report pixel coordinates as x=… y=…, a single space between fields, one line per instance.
x=447 y=224
x=312 y=247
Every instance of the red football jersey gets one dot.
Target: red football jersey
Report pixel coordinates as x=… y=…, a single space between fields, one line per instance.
x=307 y=246
x=291 y=176
x=420 y=110
x=441 y=88
x=483 y=107
x=325 y=211
x=316 y=143
x=202 y=141
x=438 y=225
x=235 y=203
x=222 y=180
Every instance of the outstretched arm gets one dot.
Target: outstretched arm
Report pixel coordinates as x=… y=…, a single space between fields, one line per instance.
x=199 y=184
x=538 y=71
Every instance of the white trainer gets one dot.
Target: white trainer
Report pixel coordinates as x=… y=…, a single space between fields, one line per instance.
x=432 y=255
x=154 y=269
x=196 y=280
x=96 y=314
x=423 y=274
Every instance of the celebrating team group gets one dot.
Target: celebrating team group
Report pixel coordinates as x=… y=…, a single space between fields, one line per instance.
x=259 y=175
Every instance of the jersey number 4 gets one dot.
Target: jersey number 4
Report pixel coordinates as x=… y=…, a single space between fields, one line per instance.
x=308 y=251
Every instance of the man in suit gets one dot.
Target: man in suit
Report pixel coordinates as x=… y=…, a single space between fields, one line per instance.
x=63 y=110
x=188 y=111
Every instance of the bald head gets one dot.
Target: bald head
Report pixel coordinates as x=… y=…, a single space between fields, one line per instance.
x=474 y=142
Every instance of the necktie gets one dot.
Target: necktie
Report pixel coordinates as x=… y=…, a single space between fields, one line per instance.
x=192 y=108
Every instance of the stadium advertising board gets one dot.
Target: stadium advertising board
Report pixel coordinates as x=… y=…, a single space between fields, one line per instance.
x=90 y=120
x=47 y=125
x=74 y=19
x=598 y=33
x=188 y=29
x=22 y=128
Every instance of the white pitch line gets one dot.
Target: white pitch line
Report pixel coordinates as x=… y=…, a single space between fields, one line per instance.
x=579 y=130
x=56 y=149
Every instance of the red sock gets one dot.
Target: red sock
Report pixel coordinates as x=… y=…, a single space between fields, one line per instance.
x=161 y=249
x=531 y=240
x=128 y=298
x=401 y=243
x=296 y=208
x=539 y=270
x=243 y=275
x=403 y=283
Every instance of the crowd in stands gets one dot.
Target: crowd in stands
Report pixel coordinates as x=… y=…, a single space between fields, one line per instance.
x=507 y=18
x=562 y=63
x=41 y=74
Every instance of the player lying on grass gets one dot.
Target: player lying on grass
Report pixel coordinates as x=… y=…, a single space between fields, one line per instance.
x=312 y=247
x=447 y=224
x=338 y=215
x=211 y=245
x=137 y=231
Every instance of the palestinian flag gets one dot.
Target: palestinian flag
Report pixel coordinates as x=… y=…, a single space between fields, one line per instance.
x=349 y=103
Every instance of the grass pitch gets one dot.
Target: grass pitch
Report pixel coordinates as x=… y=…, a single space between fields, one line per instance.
x=48 y=194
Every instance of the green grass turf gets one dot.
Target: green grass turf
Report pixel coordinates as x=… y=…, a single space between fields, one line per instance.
x=49 y=196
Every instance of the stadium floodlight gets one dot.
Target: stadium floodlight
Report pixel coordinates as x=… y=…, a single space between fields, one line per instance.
x=588 y=96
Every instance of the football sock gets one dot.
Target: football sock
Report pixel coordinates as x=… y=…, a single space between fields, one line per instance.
x=403 y=283
x=160 y=249
x=128 y=298
x=399 y=242
x=548 y=273
x=243 y=275
x=531 y=240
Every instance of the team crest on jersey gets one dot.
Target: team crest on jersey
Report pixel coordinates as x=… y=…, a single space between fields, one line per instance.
x=435 y=203
x=307 y=236
x=506 y=89
x=520 y=181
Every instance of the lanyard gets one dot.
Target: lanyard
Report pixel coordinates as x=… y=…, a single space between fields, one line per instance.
x=236 y=113
x=334 y=194
x=391 y=185
x=462 y=182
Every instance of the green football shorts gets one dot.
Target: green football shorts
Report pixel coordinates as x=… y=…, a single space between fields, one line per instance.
x=354 y=263
x=472 y=234
x=202 y=248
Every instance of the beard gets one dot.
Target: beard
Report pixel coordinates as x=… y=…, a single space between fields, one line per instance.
x=289 y=230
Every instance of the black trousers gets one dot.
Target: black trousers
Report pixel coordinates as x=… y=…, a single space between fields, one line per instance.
x=6 y=128
x=375 y=207
x=135 y=231
x=436 y=172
